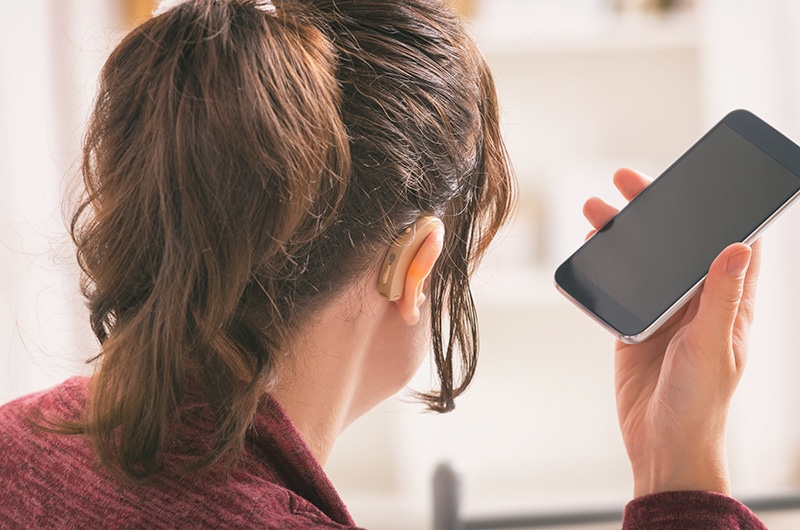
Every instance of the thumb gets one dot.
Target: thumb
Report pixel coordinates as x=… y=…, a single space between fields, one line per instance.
x=719 y=302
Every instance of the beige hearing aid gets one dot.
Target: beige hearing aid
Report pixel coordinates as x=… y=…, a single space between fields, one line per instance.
x=398 y=258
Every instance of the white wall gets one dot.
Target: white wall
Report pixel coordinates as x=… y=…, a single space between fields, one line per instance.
x=50 y=51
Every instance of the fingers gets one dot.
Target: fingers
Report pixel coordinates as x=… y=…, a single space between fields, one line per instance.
x=718 y=310
x=597 y=212
x=751 y=283
x=629 y=182
x=746 y=311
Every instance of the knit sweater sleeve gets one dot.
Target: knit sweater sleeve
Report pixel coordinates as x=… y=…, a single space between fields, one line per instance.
x=689 y=509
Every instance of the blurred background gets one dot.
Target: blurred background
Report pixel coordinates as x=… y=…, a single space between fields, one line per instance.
x=585 y=86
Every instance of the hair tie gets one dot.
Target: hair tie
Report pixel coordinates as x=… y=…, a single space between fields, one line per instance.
x=264 y=5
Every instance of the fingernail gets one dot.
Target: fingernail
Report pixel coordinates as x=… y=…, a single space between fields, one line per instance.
x=737 y=264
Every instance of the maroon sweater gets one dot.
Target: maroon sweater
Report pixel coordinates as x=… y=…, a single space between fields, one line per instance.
x=54 y=481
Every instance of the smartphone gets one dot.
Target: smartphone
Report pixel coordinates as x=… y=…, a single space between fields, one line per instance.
x=647 y=261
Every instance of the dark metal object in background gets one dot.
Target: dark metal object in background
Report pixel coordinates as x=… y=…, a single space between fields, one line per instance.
x=447 y=509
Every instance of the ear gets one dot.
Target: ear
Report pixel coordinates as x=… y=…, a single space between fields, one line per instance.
x=413 y=293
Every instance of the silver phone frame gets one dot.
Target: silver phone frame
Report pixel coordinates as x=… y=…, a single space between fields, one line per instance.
x=670 y=311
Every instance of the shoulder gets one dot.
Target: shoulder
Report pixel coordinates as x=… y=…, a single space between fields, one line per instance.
x=65 y=399
x=676 y=510
x=282 y=509
x=25 y=419
x=55 y=481
x=26 y=423
x=205 y=502
x=34 y=462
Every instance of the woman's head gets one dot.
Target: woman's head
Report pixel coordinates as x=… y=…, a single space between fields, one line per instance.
x=243 y=167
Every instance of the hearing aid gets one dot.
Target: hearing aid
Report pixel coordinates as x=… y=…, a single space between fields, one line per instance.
x=400 y=255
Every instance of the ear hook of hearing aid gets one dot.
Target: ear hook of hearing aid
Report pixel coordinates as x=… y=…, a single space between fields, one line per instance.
x=395 y=265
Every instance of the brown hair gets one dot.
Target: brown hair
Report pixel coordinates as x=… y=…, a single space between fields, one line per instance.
x=241 y=168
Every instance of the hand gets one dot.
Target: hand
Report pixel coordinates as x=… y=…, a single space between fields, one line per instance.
x=674 y=389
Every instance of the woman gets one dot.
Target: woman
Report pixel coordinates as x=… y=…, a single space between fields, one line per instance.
x=283 y=206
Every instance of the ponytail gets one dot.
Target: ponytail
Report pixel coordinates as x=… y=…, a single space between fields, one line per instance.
x=214 y=154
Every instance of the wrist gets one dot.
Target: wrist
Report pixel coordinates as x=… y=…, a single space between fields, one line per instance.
x=683 y=471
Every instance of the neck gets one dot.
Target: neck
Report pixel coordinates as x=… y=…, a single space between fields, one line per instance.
x=320 y=386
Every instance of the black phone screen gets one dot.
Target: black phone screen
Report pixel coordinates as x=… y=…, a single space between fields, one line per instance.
x=661 y=245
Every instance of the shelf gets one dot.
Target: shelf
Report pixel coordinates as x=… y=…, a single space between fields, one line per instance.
x=502 y=35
